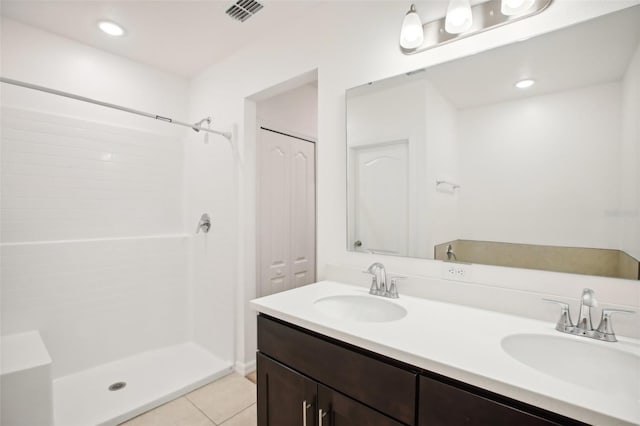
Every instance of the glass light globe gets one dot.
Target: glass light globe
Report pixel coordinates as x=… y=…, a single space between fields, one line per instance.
x=459 y=17
x=515 y=7
x=411 y=34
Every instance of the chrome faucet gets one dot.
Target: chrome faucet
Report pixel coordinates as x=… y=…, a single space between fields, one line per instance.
x=379 y=281
x=584 y=326
x=587 y=301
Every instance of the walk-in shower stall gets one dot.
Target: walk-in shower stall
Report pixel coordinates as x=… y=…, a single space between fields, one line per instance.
x=110 y=304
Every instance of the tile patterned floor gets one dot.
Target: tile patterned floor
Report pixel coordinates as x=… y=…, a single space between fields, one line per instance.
x=230 y=401
x=253 y=377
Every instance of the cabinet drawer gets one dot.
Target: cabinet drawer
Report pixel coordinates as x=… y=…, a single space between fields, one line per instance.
x=445 y=405
x=390 y=389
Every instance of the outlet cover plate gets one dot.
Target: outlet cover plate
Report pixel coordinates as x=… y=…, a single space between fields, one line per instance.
x=457 y=271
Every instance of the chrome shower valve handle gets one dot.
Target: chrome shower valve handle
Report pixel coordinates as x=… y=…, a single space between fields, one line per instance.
x=204 y=224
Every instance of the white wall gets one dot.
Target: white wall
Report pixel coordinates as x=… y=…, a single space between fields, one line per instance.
x=630 y=159
x=294 y=111
x=39 y=57
x=212 y=186
x=519 y=158
x=289 y=107
x=94 y=253
x=361 y=46
x=441 y=163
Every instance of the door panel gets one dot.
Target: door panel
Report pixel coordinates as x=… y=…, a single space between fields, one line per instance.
x=340 y=410
x=281 y=395
x=274 y=213
x=286 y=212
x=303 y=212
x=381 y=198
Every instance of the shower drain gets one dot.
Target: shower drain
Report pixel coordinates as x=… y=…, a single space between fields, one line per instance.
x=117 y=386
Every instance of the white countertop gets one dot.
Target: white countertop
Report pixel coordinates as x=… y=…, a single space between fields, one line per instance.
x=465 y=344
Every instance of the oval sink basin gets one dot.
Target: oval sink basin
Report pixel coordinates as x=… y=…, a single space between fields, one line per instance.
x=584 y=363
x=360 y=308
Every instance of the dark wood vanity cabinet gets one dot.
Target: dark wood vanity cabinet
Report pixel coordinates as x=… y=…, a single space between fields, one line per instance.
x=289 y=398
x=301 y=372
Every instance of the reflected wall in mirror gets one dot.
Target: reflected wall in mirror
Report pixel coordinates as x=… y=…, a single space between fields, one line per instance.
x=455 y=162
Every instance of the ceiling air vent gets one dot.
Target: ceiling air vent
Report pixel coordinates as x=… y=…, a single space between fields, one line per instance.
x=244 y=9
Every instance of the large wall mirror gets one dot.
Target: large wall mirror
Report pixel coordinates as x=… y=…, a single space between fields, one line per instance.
x=456 y=162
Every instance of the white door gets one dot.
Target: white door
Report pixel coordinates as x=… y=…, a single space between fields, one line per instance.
x=380 y=207
x=286 y=212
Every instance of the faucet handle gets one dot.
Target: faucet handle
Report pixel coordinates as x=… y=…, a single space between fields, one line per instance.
x=564 y=323
x=374 y=282
x=605 y=327
x=393 y=288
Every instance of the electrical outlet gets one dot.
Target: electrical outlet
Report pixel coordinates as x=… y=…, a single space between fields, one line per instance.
x=456 y=271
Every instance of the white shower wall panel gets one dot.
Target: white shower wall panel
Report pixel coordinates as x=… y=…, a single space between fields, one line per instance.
x=95 y=301
x=65 y=178
x=93 y=250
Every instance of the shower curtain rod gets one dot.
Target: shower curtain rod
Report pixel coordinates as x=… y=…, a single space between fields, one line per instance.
x=197 y=127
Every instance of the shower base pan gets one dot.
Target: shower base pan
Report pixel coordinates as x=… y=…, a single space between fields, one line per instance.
x=150 y=379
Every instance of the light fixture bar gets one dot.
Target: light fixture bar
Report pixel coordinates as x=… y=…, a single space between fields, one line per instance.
x=486 y=16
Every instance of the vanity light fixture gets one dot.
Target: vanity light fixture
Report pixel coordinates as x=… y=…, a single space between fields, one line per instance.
x=411 y=35
x=524 y=84
x=111 y=28
x=463 y=20
x=459 y=17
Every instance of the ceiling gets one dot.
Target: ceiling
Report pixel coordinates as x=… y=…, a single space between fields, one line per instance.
x=179 y=36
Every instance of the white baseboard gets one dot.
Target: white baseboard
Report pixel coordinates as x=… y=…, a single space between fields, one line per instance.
x=245 y=368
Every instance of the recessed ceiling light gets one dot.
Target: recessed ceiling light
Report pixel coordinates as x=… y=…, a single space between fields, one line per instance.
x=111 y=28
x=523 y=84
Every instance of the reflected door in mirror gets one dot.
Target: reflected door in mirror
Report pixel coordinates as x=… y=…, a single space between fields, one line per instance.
x=380 y=188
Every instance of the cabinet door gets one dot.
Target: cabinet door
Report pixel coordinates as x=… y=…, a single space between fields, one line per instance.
x=339 y=410
x=285 y=398
x=445 y=405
